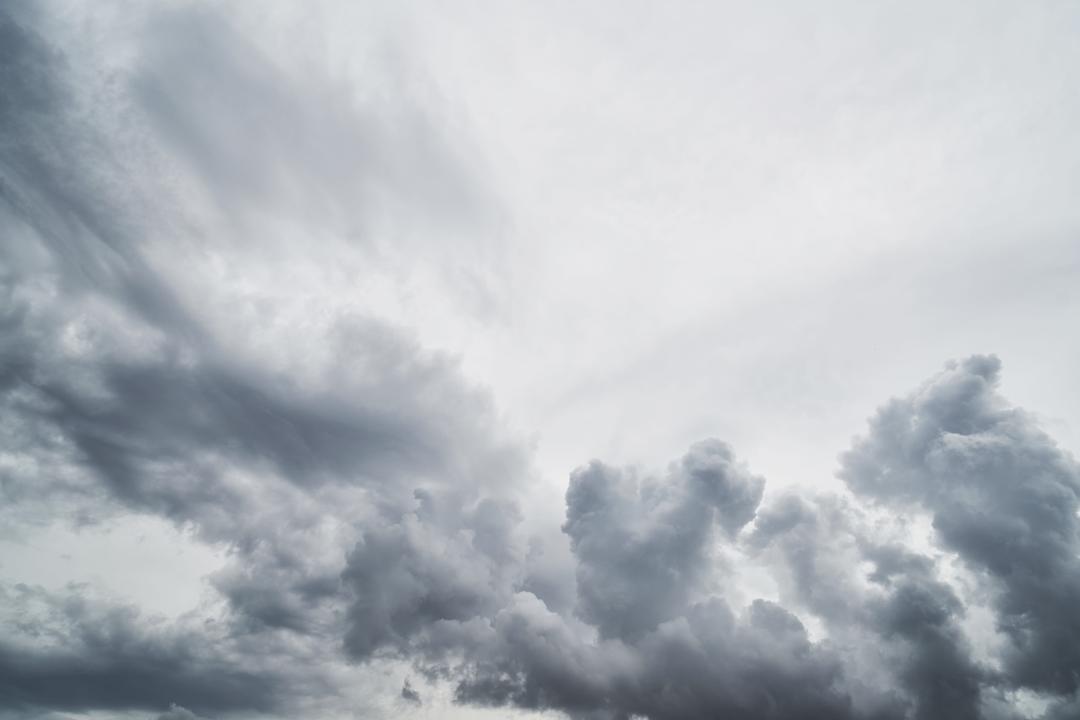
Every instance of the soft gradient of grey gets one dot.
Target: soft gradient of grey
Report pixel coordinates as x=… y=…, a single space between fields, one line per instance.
x=316 y=318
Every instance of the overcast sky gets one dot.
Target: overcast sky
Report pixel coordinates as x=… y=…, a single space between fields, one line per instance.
x=504 y=360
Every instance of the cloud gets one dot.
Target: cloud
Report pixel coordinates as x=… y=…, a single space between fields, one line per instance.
x=703 y=663
x=1001 y=495
x=895 y=613
x=408 y=694
x=418 y=573
x=73 y=651
x=374 y=508
x=176 y=712
x=121 y=394
x=309 y=147
x=653 y=635
x=643 y=546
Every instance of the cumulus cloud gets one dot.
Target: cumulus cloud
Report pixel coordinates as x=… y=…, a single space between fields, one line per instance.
x=1001 y=495
x=643 y=546
x=372 y=506
x=650 y=638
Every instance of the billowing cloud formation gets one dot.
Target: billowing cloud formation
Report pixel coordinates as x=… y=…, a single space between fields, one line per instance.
x=1001 y=496
x=644 y=547
x=650 y=638
x=1002 y=504
x=371 y=507
x=120 y=395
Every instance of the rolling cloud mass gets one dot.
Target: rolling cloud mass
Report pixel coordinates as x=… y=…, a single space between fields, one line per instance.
x=346 y=373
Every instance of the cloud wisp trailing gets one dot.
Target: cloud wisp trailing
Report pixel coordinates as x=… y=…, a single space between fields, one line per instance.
x=376 y=516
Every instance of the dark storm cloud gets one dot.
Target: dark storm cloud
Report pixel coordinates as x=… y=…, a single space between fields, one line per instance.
x=408 y=694
x=643 y=546
x=140 y=413
x=428 y=574
x=116 y=398
x=1001 y=495
x=898 y=645
x=665 y=647
x=80 y=243
x=703 y=664
x=1001 y=498
x=178 y=712
x=881 y=601
x=937 y=670
x=374 y=510
x=72 y=652
x=666 y=655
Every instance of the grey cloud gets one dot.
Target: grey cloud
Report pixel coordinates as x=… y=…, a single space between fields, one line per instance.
x=406 y=578
x=408 y=694
x=901 y=626
x=704 y=664
x=425 y=589
x=655 y=641
x=261 y=135
x=74 y=652
x=935 y=666
x=1001 y=495
x=373 y=509
x=177 y=712
x=643 y=544
x=117 y=398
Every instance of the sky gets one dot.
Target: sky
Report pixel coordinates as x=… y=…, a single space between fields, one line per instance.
x=597 y=360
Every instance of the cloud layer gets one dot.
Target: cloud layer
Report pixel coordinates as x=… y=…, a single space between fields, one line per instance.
x=373 y=508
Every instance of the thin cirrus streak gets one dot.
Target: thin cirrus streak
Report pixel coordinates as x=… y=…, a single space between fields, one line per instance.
x=201 y=250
